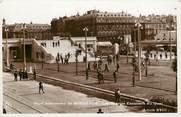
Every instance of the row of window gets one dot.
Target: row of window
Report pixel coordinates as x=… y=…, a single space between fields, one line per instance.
x=114 y=15
x=114 y=27
x=32 y=27
x=117 y=20
x=160 y=26
x=164 y=39
x=111 y=33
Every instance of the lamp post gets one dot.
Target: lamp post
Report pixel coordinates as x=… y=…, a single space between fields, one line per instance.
x=76 y=60
x=170 y=46
x=24 y=47
x=134 y=67
x=7 y=50
x=85 y=30
x=42 y=58
x=127 y=48
x=139 y=49
x=146 y=62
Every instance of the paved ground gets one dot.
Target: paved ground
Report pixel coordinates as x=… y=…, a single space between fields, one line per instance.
x=160 y=81
x=23 y=97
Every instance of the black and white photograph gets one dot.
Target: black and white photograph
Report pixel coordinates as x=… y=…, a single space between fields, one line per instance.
x=89 y=56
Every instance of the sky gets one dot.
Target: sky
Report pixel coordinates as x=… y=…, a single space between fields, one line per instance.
x=42 y=11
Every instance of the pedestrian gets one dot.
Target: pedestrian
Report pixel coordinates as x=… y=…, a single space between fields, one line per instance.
x=117 y=67
x=53 y=44
x=100 y=111
x=41 y=87
x=20 y=74
x=160 y=56
x=95 y=65
x=58 y=43
x=114 y=76
x=106 y=68
x=99 y=77
x=166 y=55
x=11 y=66
x=15 y=75
x=84 y=59
x=4 y=111
x=117 y=95
x=68 y=55
x=89 y=68
x=25 y=74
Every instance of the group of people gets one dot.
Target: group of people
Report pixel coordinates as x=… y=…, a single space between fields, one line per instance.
x=64 y=60
x=55 y=44
x=22 y=75
x=44 y=44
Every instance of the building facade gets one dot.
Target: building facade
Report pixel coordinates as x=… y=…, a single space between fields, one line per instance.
x=110 y=26
x=105 y=26
x=38 y=31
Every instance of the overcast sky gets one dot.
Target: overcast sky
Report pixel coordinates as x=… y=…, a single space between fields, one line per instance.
x=42 y=11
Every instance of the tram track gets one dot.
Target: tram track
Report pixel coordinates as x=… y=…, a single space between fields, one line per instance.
x=110 y=93
x=20 y=103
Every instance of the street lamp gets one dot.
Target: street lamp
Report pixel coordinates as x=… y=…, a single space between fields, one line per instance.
x=85 y=30
x=134 y=67
x=138 y=25
x=24 y=49
x=77 y=52
x=127 y=48
x=146 y=62
x=7 y=50
x=42 y=59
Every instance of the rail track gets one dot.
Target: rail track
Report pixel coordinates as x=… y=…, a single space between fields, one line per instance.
x=147 y=104
x=127 y=99
x=25 y=105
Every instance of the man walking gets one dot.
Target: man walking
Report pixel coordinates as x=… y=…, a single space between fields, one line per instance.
x=20 y=74
x=117 y=95
x=41 y=87
x=15 y=75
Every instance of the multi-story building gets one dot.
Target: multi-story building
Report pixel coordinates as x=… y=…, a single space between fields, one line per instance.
x=106 y=26
x=109 y=26
x=38 y=31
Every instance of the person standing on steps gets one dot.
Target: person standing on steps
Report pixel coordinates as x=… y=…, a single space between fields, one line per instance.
x=41 y=87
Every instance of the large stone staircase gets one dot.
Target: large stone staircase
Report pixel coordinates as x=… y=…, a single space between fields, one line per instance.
x=63 y=47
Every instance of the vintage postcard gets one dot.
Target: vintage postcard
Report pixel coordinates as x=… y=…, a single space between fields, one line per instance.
x=89 y=56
